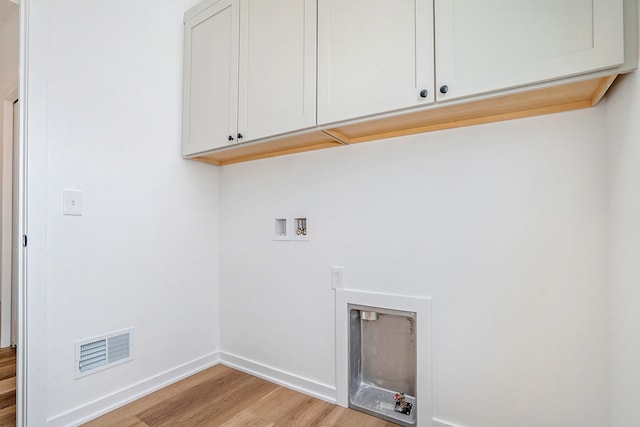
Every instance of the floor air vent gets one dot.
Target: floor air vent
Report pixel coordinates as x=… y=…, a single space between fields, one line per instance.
x=99 y=353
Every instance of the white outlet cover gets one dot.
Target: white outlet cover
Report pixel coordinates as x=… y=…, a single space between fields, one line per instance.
x=71 y=202
x=337 y=277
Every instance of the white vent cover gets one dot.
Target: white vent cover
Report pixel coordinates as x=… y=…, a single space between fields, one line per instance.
x=99 y=353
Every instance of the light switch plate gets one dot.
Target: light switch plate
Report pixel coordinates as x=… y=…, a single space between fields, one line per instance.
x=72 y=202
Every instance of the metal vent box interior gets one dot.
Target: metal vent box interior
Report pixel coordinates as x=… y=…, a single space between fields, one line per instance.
x=383 y=363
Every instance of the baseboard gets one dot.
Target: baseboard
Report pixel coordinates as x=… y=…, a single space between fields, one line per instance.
x=439 y=423
x=285 y=379
x=295 y=382
x=126 y=395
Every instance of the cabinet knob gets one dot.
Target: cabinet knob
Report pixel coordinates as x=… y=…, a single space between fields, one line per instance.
x=230 y=138
x=444 y=89
x=424 y=93
x=240 y=136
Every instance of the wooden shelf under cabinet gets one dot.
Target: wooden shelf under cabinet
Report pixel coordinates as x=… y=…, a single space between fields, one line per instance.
x=570 y=96
x=313 y=140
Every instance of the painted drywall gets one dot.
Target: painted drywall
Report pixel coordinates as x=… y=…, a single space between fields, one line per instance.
x=503 y=225
x=622 y=108
x=104 y=117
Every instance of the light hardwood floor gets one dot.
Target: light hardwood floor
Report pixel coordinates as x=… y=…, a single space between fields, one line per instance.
x=221 y=396
x=7 y=386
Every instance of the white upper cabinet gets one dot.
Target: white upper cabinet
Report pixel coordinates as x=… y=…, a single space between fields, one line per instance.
x=210 y=77
x=483 y=46
x=374 y=56
x=277 y=91
x=250 y=71
x=297 y=75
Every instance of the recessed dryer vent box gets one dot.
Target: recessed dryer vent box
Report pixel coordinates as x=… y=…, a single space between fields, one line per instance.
x=300 y=228
x=280 y=229
x=383 y=363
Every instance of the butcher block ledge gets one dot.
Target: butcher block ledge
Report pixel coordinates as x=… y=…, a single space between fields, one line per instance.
x=570 y=96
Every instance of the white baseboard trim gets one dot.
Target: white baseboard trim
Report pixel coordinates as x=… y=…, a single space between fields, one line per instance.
x=285 y=379
x=440 y=423
x=108 y=403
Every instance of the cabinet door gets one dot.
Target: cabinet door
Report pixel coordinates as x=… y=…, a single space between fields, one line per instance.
x=211 y=78
x=277 y=85
x=374 y=56
x=482 y=46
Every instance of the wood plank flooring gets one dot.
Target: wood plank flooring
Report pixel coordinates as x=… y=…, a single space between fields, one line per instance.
x=7 y=386
x=221 y=396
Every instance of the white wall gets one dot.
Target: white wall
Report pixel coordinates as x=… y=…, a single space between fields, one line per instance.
x=623 y=131
x=105 y=115
x=503 y=225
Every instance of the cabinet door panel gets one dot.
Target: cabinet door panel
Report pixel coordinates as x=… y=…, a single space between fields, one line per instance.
x=373 y=56
x=211 y=78
x=496 y=44
x=277 y=85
